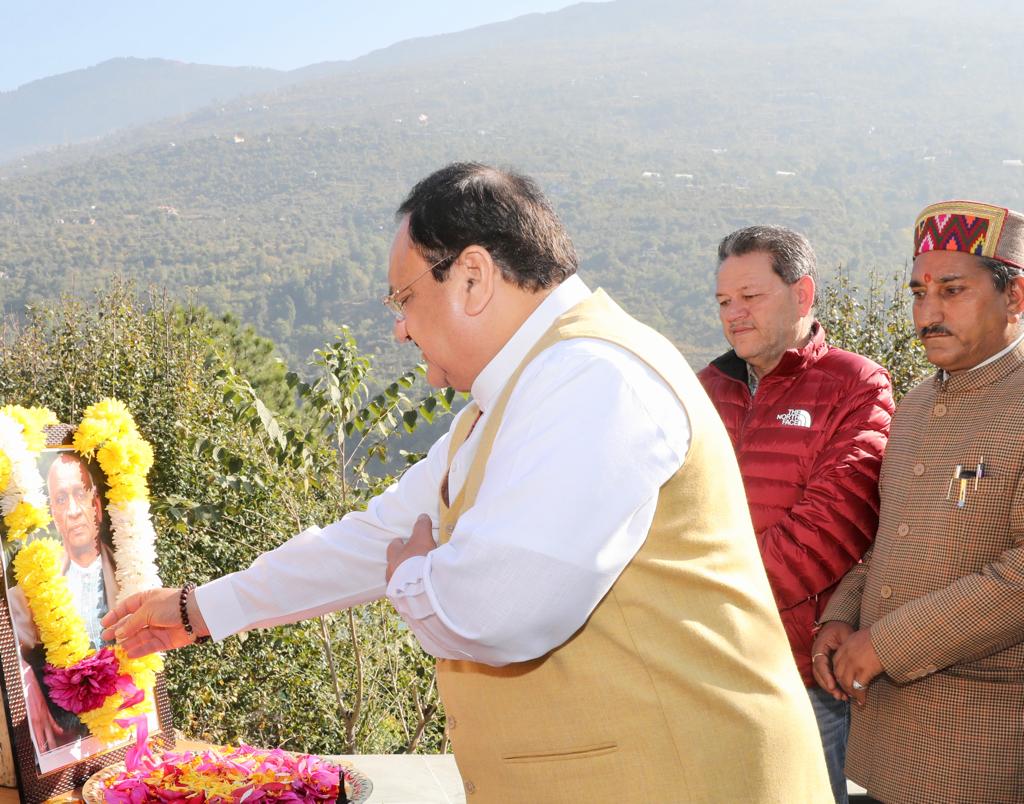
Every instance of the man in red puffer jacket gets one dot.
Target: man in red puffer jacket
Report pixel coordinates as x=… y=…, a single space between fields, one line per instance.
x=809 y=424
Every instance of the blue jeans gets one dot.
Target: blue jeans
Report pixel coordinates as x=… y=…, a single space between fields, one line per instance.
x=834 y=725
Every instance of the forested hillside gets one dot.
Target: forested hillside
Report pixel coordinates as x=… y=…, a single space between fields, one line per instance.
x=98 y=101
x=656 y=127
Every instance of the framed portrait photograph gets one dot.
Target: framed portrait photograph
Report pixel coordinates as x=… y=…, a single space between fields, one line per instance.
x=54 y=748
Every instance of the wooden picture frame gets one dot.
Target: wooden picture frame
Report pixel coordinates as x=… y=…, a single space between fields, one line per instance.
x=43 y=770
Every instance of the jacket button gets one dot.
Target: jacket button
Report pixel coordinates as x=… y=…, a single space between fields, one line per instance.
x=903 y=529
x=918 y=469
x=449 y=529
x=885 y=592
x=939 y=410
x=470 y=787
x=451 y=723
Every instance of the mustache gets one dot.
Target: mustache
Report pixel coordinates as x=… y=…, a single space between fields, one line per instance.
x=933 y=329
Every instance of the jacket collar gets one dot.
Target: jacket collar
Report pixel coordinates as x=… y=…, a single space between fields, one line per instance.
x=793 y=360
x=495 y=374
x=982 y=375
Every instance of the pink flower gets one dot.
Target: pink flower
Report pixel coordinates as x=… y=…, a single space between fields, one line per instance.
x=297 y=780
x=86 y=684
x=135 y=756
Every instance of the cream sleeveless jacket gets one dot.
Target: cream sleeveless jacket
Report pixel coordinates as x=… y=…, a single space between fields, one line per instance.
x=680 y=686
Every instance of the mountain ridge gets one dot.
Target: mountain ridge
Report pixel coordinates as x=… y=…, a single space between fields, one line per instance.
x=652 y=141
x=114 y=95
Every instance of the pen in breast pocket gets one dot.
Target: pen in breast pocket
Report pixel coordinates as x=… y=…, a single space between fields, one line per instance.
x=963 y=475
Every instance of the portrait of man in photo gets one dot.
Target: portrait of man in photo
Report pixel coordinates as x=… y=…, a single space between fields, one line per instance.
x=77 y=510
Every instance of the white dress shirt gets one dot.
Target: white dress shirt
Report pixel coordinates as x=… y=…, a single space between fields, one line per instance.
x=589 y=436
x=89 y=596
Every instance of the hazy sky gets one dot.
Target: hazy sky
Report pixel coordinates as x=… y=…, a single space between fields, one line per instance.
x=39 y=38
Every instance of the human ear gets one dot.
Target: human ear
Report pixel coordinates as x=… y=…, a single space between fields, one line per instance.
x=805 y=294
x=476 y=277
x=1015 y=299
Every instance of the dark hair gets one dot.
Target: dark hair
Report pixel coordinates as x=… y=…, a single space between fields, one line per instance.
x=1002 y=272
x=467 y=204
x=791 y=252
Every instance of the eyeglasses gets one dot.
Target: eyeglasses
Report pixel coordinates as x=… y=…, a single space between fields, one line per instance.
x=391 y=300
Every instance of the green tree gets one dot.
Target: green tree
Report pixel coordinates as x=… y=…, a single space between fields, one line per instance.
x=382 y=685
x=237 y=344
x=877 y=324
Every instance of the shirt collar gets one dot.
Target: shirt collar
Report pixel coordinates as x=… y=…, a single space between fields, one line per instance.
x=495 y=374
x=752 y=379
x=943 y=374
x=77 y=569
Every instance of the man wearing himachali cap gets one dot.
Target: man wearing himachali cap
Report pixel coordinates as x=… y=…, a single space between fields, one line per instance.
x=927 y=634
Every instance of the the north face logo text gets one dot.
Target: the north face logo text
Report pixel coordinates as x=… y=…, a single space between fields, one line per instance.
x=795 y=418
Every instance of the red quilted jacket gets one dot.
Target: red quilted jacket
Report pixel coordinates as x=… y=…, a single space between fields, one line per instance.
x=809 y=446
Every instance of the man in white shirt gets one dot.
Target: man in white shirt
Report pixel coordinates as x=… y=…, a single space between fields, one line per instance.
x=77 y=513
x=587 y=575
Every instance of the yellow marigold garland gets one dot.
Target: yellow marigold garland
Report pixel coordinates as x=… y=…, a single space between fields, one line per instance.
x=61 y=628
x=24 y=519
x=34 y=421
x=5 y=470
x=107 y=432
x=22 y=438
x=102 y=722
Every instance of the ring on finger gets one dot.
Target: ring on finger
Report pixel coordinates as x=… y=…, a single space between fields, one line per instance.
x=816 y=655
x=857 y=685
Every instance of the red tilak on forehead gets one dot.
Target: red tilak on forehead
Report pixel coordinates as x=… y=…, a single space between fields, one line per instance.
x=927 y=277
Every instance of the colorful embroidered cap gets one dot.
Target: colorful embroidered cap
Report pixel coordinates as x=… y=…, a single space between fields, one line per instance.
x=973 y=228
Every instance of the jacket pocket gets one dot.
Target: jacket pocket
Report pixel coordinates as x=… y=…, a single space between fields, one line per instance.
x=585 y=752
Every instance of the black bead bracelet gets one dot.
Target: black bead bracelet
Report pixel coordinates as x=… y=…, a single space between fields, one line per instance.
x=186 y=590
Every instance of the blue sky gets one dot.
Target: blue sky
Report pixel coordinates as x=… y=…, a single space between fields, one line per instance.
x=39 y=38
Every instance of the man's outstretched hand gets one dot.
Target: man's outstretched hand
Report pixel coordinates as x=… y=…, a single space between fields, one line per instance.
x=150 y=621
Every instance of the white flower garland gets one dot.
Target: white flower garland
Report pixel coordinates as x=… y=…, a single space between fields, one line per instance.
x=108 y=432
x=25 y=483
x=134 y=548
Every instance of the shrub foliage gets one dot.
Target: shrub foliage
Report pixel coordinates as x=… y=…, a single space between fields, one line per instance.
x=876 y=322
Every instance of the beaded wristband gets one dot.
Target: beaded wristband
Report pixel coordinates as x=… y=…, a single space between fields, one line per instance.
x=186 y=590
